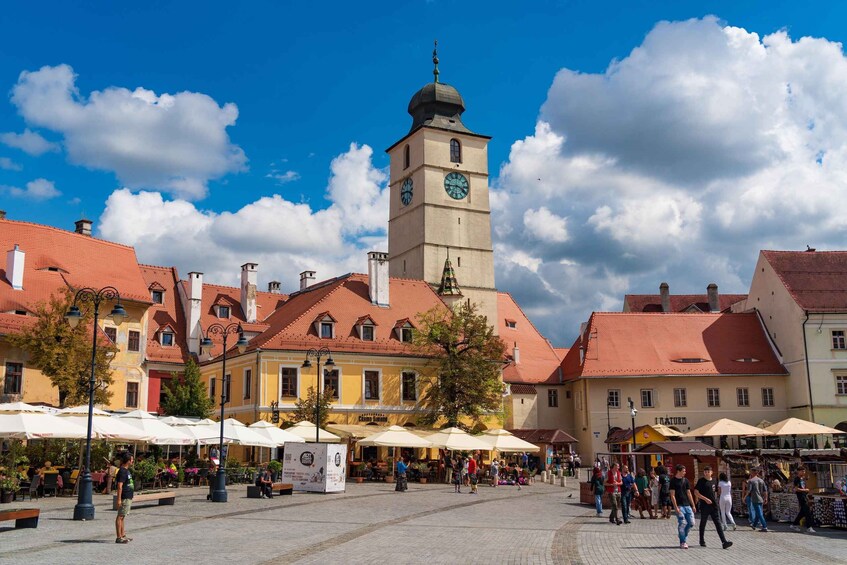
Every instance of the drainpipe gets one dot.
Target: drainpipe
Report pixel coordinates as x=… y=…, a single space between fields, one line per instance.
x=809 y=375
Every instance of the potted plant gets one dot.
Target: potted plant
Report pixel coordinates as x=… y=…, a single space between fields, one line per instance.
x=360 y=472
x=275 y=468
x=423 y=468
x=8 y=488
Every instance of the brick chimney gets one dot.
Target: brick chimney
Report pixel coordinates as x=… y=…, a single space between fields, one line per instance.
x=714 y=301
x=665 y=293
x=307 y=279
x=83 y=227
x=274 y=287
x=378 y=278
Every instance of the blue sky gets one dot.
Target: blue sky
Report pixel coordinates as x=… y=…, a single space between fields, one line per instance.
x=308 y=80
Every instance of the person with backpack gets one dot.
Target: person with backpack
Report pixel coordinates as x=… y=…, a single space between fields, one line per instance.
x=664 y=491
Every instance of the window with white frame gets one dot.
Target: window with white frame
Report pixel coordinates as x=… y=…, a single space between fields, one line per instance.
x=131 y=395
x=767 y=396
x=367 y=332
x=409 y=383
x=841 y=384
x=326 y=330
x=223 y=311
x=111 y=333
x=248 y=383
x=331 y=381
x=371 y=385
x=680 y=398
x=166 y=337
x=647 y=399
x=552 y=398
x=838 y=341
x=288 y=382
x=742 y=394
x=614 y=398
x=713 y=397
x=157 y=296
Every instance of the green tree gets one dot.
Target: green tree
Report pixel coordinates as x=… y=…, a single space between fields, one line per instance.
x=305 y=407
x=63 y=353
x=187 y=395
x=467 y=359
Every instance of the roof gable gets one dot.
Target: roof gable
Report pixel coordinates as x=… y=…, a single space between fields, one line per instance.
x=538 y=361
x=815 y=279
x=169 y=315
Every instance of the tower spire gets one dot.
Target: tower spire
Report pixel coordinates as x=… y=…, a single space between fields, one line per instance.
x=449 y=285
x=435 y=61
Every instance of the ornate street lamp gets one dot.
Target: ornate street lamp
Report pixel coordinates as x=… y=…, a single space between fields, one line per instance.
x=318 y=354
x=84 y=509
x=632 y=413
x=219 y=492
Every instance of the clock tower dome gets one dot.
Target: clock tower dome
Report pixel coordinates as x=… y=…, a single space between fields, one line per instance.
x=439 y=207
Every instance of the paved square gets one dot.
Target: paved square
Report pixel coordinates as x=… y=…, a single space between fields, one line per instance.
x=371 y=523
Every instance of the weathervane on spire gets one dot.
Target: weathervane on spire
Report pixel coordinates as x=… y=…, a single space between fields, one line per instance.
x=435 y=60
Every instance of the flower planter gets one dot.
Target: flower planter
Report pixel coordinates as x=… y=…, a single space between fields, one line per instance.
x=389 y=478
x=423 y=480
x=6 y=496
x=360 y=479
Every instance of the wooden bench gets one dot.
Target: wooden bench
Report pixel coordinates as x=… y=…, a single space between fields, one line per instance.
x=165 y=498
x=283 y=488
x=23 y=517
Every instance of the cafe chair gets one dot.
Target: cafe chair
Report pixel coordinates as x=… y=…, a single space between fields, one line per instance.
x=51 y=483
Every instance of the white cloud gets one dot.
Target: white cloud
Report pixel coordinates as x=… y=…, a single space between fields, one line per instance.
x=679 y=162
x=38 y=189
x=284 y=237
x=29 y=142
x=282 y=178
x=173 y=142
x=9 y=165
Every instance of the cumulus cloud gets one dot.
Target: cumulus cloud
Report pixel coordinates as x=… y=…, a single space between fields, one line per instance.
x=172 y=142
x=679 y=162
x=9 y=165
x=284 y=237
x=29 y=142
x=38 y=189
x=283 y=178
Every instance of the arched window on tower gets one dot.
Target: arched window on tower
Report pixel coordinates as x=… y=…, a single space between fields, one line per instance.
x=406 y=158
x=455 y=151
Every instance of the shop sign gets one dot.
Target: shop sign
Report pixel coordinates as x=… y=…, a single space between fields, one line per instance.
x=672 y=421
x=377 y=418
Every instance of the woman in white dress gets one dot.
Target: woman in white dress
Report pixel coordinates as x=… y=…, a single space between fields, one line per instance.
x=654 y=492
x=725 y=502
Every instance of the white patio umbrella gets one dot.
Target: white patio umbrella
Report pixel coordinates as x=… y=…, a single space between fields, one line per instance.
x=103 y=425
x=727 y=427
x=235 y=432
x=506 y=442
x=457 y=439
x=798 y=427
x=38 y=425
x=175 y=421
x=395 y=436
x=17 y=407
x=160 y=432
x=274 y=434
x=306 y=430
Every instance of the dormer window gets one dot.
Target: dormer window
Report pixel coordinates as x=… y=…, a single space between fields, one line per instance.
x=367 y=333
x=223 y=311
x=157 y=296
x=366 y=328
x=404 y=329
x=325 y=326
x=53 y=269
x=511 y=324
x=326 y=330
x=166 y=337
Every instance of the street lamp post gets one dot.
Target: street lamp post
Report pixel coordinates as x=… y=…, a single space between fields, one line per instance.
x=219 y=492
x=632 y=413
x=84 y=509
x=318 y=354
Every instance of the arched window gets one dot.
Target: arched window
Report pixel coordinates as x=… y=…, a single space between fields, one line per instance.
x=455 y=151
x=406 y=158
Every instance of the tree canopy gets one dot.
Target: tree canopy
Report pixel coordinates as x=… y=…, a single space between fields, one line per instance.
x=63 y=353
x=467 y=359
x=305 y=407
x=187 y=395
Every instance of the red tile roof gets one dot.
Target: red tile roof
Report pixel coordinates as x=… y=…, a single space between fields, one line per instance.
x=679 y=302
x=815 y=279
x=346 y=299
x=633 y=344
x=81 y=261
x=13 y=323
x=544 y=436
x=167 y=315
x=538 y=361
x=520 y=388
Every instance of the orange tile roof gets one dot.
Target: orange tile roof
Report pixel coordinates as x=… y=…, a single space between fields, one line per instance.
x=82 y=261
x=679 y=302
x=634 y=344
x=13 y=323
x=538 y=361
x=815 y=279
x=170 y=314
x=346 y=299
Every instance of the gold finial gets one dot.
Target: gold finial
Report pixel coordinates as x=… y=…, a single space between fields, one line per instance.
x=435 y=60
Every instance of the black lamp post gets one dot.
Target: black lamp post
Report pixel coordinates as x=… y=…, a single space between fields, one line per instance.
x=608 y=417
x=632 y=413
x=84 y=509
x=219 y=492
x=318 y=354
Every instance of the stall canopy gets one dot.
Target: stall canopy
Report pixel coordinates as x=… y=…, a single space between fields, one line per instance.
x=798 y=427
x=506 y=442
x=727 y=427
x=395 y=436
x=306 y=430
x=160 y=433
x=19 y=420
x=274 y=434
x=457 y=439
x=545 y=436
x=103 y=425
x=666 y=431
x=235 y=432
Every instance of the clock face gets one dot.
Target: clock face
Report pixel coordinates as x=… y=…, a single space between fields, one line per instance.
x=406 y=192
x=456 y=185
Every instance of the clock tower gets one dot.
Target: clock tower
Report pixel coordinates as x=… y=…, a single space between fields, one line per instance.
x=439 y=211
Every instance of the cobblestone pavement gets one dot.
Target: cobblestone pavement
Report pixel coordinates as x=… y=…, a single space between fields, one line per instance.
x=428 y=524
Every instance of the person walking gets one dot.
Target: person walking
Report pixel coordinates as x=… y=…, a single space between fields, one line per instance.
x=457 y=473
x=495 y=473
x=125 y=491
x=745 y=496
x=472 y=476
x=758 y=492
x=803 y=500
x=664 y=491
x=704 y=490
x=643 y=501
x=597 y=487
x=628 y=491
x=613 y=489
x=402 y=483
x=682 y=502
x=725 y=502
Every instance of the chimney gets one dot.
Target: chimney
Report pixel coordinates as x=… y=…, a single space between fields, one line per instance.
x=193 y=309
x=2 y=214
x=249 y=275
x=714 y=303
x=15 y=267
x=378 y=278
x=83 y=227
x=307 y=279
x=664 y=291
x=274 y=286
x=516 y=354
